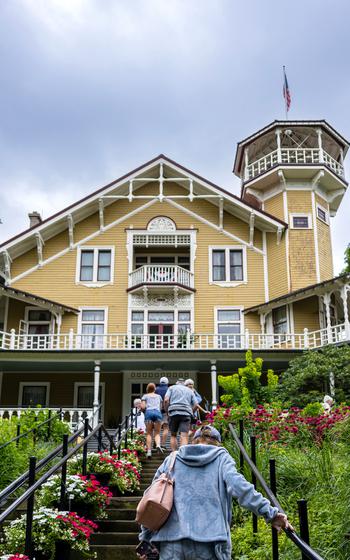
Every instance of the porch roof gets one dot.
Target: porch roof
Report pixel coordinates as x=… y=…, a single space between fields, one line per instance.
x=315 y=289
x=36 y=300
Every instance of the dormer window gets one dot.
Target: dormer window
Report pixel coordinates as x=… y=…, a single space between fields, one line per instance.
x=300 y=221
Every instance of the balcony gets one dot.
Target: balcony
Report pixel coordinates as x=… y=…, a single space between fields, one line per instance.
x=293 y=156
x=169 y=342
x=161 y=275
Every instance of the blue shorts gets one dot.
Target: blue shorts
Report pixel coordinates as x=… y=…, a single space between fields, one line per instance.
x=153 y=415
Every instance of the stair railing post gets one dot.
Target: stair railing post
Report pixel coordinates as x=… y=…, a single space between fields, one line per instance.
x=63 y=473
x=18 y=434
x=99 y=439
x=49 y=426
x=119 y=438
x=126 y=432
x=85 y=447
x=30 y=508
x=253 y=458
x=303 y=524
x=241 y=437
x=273 y=486
x=132 y=424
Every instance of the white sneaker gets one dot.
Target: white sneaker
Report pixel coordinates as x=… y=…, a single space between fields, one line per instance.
x=149 y=454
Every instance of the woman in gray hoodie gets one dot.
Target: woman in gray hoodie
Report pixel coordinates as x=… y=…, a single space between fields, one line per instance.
x=206 y=481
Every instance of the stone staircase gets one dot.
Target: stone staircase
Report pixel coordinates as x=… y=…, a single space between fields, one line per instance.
x=118 y=536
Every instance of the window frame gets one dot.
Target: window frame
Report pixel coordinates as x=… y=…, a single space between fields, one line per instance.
x=227 y=248
x=218 y=308
x=78 y=384
x=326 y=213
x=104 y=322
x=23 y=384
x=94 y=282
x=300 y=215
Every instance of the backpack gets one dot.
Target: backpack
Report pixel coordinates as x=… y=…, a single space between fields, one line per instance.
x=155 y=506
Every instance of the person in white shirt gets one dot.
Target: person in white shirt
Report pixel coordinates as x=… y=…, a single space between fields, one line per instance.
x=139 y=417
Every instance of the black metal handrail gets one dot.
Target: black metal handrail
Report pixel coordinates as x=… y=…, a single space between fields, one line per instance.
x=304 y=547
x=23 y=478
x=25 y=434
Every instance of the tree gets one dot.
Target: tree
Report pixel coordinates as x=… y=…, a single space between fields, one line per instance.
x=308 y=377
x=244 y=388
x=347 y=259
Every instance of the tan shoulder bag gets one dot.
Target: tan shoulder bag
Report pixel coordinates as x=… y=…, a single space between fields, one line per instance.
x=155 y=506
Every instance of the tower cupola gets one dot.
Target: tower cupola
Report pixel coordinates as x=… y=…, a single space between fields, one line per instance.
x=295 y=153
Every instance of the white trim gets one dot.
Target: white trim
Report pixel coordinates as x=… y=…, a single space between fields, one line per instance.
x=227 y=248
x=266 y=268
x=51 y=323
x=93 y=308
x=94 y=282
x=78 y=384
x=213 y=226
x=325 y=210
x=290 y=314
x=317 y=255
x=33 y=384
x=285 y=211
x=300 y=215
x=82 y=241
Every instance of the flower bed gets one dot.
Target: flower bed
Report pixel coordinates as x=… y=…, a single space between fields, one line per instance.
x=292 y=426
x=14 y=557
x=137 y=443
x=50 y=527
x=84 y=494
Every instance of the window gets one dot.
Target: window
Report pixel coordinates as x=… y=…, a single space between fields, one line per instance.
x=39 y=321
x=95 y=265
x=84 y=398
x=227 y=265
x=322 y=214
x=300 y=221
x=34 y=395
x=280 y=320
x=92 y=327
x=229 y=327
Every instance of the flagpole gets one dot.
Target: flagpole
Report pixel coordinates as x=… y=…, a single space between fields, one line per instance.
x=285 y=100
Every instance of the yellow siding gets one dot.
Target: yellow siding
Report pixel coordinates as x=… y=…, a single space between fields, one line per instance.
x=56 y=280
x=277 y=265
x=324 y=244
x=274 y=206
x=306 y=314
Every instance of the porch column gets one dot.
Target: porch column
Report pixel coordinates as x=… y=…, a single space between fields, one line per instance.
x=278 y=139
x=344 y=295
x=96 y=403
x=320 y=147
x=327 y=300
x=214 y=401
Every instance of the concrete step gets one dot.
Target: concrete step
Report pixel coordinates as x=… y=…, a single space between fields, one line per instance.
x=118 y=525
x=115 y=538
x=120 y=514
x=115 y=552
x=125 y=502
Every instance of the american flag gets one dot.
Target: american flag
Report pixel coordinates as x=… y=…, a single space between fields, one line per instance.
x=286 y=93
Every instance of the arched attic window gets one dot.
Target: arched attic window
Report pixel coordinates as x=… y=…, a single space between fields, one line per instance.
x=161 y=224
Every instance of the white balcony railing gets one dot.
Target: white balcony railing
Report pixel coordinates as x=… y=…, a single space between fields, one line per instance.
x=187 y=341
x=161 y=274
x=73 y=416
x=288 y=156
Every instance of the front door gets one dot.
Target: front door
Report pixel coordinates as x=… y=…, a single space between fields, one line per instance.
x=161 y=336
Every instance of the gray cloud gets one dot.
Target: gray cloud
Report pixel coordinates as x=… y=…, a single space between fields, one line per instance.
x=91 y=89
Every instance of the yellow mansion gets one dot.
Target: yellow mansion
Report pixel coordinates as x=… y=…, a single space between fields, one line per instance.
x=162 y=272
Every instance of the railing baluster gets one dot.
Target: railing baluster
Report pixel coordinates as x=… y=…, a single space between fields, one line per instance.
x=273 y=486
x=126 y=432
x=99 y=439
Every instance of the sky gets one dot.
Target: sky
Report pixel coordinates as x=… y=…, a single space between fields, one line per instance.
x=91 y=89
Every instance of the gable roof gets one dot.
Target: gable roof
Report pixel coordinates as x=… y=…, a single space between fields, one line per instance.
x=89 y=204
